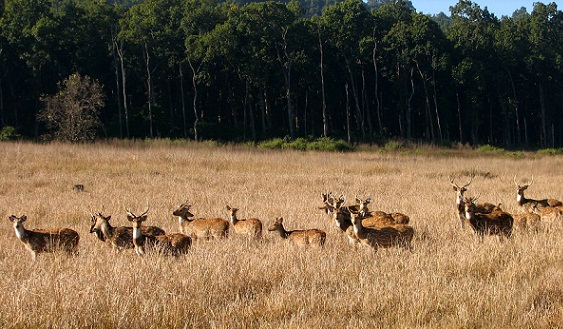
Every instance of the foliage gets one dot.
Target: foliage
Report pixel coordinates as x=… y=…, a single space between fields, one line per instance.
x=73 y=112
x=8 y=133
x=307 y=144
x=250 y=71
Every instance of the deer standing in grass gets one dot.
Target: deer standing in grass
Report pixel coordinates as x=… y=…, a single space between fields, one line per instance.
x=38 y=241
x=383 y=236
x=201 y=227
x=174 y=244
x=496 y=222
x=119 y=237
x=313 y=237
x=530 y=204
x=251 y=227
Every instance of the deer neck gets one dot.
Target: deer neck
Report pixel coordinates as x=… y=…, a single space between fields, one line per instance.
x=20 y=232
x=520 y=198
x=137 y=233
x=358 y=229
x=107 y=230
x=233 y=219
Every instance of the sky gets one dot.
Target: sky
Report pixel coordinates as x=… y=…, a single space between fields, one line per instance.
x=498 y=7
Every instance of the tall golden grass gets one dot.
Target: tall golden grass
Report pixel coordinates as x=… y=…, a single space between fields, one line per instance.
x=449 y=280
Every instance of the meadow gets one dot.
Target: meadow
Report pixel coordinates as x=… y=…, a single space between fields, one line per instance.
x=450 y=279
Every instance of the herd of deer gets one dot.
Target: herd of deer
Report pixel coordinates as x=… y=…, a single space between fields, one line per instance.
x=361 y=226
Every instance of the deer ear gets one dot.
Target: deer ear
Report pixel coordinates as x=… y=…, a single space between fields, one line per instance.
x=12 y=218
x=23 y=218
x=130 y=218
x=143 y=218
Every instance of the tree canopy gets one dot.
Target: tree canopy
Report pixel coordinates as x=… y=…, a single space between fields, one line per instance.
x=248 y=71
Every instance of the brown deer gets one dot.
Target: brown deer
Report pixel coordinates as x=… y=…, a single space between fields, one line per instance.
x=526 y=221
x=549 y=215
x=384 y=236
x=119 y=237
x=38 y=241
x=496 y=222
x=174 y=244
x=251 y=227
x=313 y=237
x=201 y=227
x=460 y=206
x=530 y=204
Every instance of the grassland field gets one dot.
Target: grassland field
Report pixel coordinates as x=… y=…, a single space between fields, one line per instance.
x=449 y=280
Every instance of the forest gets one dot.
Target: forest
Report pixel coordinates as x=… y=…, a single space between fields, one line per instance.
x=241 y=71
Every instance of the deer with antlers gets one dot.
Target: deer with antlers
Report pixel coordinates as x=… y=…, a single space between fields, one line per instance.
x=460 y=199
x=497 y=222
x=529 y=205
x=38 y=241
x=174 y=244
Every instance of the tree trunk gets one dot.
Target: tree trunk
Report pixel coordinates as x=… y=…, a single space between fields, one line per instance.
x=118 y=89
x=409 y=106
x=359 y=116
x=147 y=59
x=183 y=99
x=429 y=119
x=459 y=117
x=544 y=138
x=194 y=85
x=376 y=75
x=348 y=114
x=516 y=110
x=325 y=121
x=119 y=48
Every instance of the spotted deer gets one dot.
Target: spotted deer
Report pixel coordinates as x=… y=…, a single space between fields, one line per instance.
x=251 y=227
x=528 y=205
x=174 y=244
x=460 y=205
x=496 y=222
x=526 y=221
x=313 y=237
x=202 y=227
x=383 y=236
x=119 y=237
x=39 y=240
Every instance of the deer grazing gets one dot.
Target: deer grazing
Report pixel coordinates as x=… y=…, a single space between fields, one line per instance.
x=382 y=236
x=313 y=237
x=496 y=222
x=201 y=227
x=119 y=237
x=530 y=204
x=38 y=241
x=174 y=244
x=251 y=227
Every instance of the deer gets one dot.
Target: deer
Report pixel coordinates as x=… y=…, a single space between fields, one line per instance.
x=202 y=227
x=174 y=244
x=369 y=218
x=549 y=214
x=251 y=227
x=480 y=207
x=496 y=222
x=383 y=236
x=526 y=221
x=119 y=237
x=39 y=241
x=313 y=237
x=530 y=204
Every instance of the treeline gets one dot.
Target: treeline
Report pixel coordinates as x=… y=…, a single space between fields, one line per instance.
x=205 y=69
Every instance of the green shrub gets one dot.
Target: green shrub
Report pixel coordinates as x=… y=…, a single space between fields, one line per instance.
x=489 y=149
x=8 y=133
x=551 y=151
x=306 y=144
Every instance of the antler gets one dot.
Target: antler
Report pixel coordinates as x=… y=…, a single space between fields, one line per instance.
x=527 y=184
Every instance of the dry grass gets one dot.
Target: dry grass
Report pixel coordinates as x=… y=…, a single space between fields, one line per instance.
x=449 y=280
